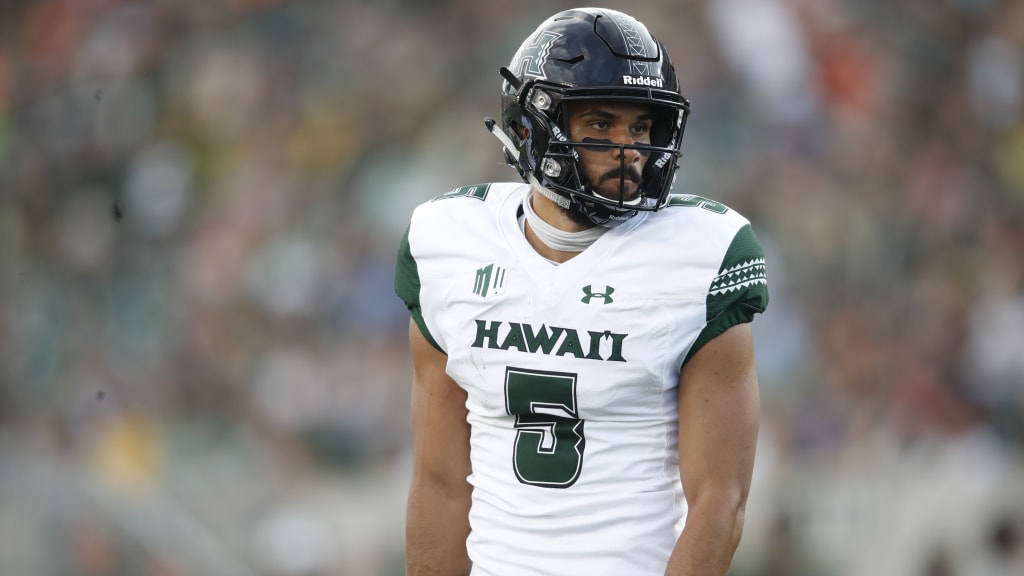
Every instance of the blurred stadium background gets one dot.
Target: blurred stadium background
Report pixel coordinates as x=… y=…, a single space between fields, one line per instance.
x=204 y=370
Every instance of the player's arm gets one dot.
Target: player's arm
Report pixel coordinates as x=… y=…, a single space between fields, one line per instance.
x=719 y=415
x=437 y=517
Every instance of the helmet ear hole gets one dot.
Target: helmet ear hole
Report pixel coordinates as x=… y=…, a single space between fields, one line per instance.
x=518 y=130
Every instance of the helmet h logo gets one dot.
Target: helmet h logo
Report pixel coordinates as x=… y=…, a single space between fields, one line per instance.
x=530 y=59
x=589 y=294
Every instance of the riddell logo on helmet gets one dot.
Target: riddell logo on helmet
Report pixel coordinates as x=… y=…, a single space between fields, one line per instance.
x=642 y=81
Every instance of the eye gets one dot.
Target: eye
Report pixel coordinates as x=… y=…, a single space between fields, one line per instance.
x=641 y=128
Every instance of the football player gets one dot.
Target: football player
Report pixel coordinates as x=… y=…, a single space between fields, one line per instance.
x=585 y=399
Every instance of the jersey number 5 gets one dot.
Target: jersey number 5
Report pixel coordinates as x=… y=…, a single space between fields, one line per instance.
x=549 y=433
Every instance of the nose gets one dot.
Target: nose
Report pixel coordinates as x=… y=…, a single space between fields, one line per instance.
x=626 y=154
x=622 y=137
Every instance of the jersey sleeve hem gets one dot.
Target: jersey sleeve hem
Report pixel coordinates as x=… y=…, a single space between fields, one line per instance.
x=407 y=287
x=417 y=316
x=727 y=319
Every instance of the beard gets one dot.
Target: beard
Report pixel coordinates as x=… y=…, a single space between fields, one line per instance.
x=576 y=217
x=620 y=177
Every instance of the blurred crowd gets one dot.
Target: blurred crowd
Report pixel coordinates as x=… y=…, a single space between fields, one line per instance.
x=204 y=369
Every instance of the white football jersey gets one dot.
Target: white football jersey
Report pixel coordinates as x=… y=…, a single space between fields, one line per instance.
x=572 y=370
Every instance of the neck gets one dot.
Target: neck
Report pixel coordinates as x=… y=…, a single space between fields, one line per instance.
x=552 y=233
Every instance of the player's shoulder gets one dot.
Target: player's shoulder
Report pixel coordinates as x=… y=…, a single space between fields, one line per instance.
x=472 y=198
x=694 y=228
x=465 y=211
x=699 y=215
x=692 y=205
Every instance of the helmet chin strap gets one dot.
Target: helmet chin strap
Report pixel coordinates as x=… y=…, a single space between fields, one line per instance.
x=510 y=147
x=561 y=201
x=553 y=237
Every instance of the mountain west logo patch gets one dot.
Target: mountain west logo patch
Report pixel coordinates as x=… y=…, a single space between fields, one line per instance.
x=490 y=281
x=604 y=297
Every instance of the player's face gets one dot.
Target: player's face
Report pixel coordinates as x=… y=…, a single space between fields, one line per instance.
x=611 y=171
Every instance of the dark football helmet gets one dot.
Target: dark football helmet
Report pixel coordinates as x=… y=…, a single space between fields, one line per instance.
x=589 y=54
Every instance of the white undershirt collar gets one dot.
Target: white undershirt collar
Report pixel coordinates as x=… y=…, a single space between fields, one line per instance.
x=555 y=238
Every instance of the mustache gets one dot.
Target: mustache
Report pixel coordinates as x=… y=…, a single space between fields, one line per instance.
x=630 y=173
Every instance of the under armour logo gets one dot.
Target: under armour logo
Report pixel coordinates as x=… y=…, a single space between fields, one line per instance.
x=589 y=293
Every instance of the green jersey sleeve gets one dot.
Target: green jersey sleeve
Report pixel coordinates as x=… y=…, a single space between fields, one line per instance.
x=738 y=291
x=407 y=286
